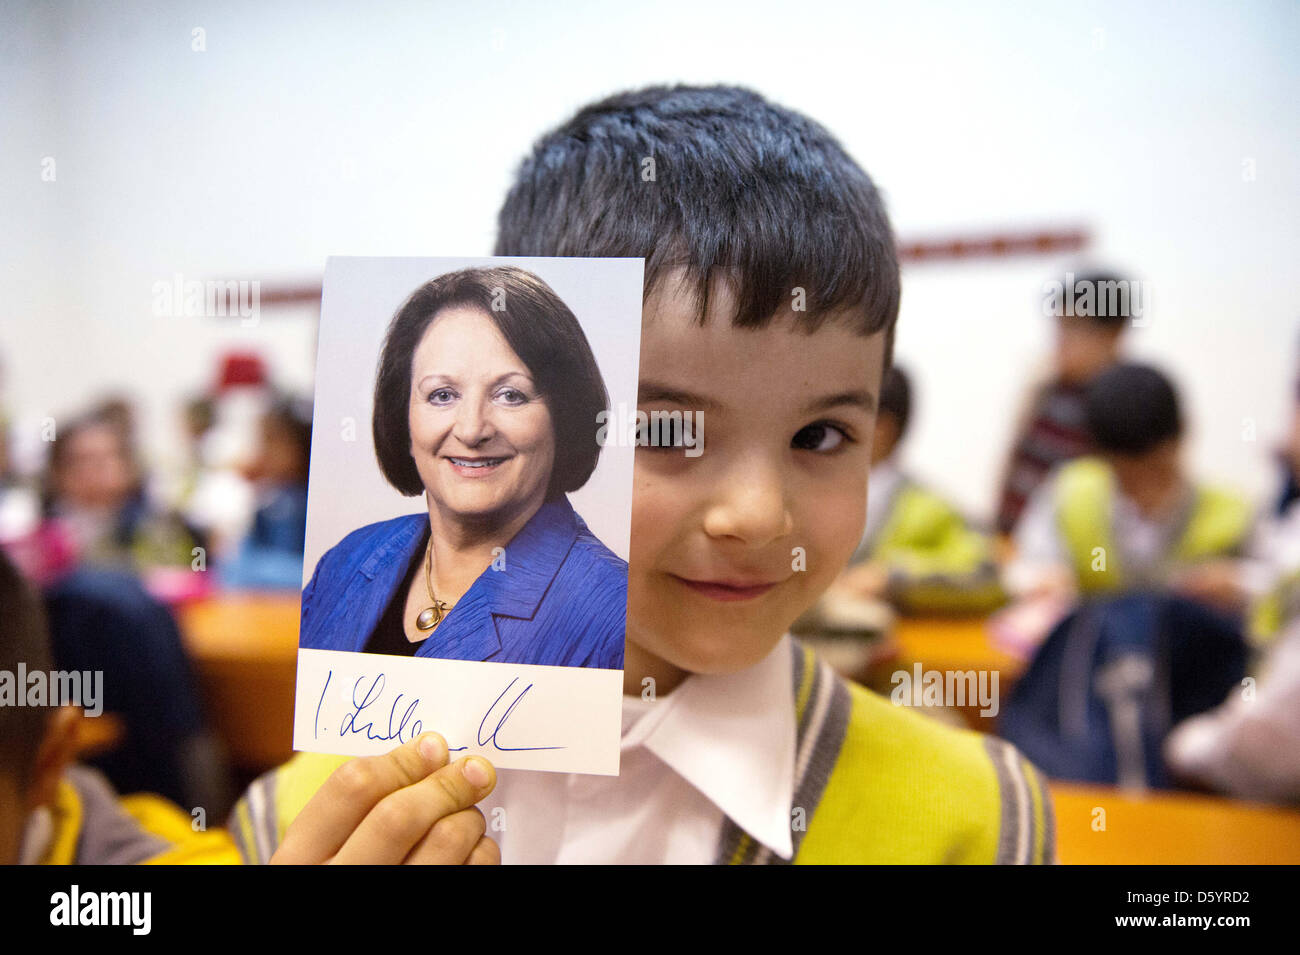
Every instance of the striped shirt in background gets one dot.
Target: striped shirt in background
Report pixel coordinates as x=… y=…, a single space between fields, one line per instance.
x=1056 y=432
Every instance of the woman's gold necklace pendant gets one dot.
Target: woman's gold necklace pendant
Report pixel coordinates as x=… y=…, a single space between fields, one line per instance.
x=430 y=617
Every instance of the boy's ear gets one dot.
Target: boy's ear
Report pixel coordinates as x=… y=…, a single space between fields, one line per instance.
x=56 y=753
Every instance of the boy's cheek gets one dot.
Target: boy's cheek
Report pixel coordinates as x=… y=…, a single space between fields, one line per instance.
x=833 y=528
x=656 y=510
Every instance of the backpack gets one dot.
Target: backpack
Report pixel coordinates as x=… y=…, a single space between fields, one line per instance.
x=1113 y=678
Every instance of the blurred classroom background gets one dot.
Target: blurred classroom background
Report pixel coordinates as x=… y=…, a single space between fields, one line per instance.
x=152 y=145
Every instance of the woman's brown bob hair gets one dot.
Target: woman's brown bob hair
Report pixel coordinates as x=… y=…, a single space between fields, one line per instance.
x=540 y=329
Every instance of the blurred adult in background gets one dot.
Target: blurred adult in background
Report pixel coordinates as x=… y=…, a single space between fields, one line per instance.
x=95 y=490
x=271 y=554
x=107 y=615
x=1091 y=311
x=1130 y=517
x=917 y=552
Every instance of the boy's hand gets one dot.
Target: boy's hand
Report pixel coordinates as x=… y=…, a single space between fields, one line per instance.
x=1216 y=582
x=1052 y=582
x=408 y=806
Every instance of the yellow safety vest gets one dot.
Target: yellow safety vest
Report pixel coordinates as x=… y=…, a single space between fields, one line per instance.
x=171 y=828
x=1085 y=497
x=937 y=562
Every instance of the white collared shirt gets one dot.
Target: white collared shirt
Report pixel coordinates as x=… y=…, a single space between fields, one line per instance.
x=1142 y=541
x=717 y=746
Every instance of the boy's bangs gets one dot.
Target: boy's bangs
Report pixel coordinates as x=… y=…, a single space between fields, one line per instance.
x=806 y=273
x=723 y=184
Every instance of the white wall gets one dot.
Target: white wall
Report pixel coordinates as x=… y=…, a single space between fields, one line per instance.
x=306 y=130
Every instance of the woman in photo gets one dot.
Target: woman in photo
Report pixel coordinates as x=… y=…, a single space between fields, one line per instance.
x=486 y=403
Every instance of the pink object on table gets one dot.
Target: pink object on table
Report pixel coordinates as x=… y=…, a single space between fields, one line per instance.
x=1022 y=627
x=44 y=554
x=175 y=586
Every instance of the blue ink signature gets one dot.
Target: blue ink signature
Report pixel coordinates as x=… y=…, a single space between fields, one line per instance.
x=492 y=738
x=407 y=725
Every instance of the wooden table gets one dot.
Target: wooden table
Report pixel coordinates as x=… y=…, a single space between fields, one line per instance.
x=947 y=644
x=1164 y=828
x=245 y=648
x=960 y=643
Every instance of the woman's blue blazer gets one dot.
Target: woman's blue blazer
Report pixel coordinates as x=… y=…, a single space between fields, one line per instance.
x=560 y=600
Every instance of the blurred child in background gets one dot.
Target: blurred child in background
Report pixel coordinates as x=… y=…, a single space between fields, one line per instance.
x=1130 y=517
x=94 y=490
x=1091 y=312
x=271 y=554
x=917 y=552
x=53 y=810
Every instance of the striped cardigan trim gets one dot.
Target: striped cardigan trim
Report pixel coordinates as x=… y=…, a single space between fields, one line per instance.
x=1025 y=802
x=822 y=705
x=253 y=824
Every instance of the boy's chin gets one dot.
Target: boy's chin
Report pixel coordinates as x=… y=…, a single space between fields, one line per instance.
x=711 y=652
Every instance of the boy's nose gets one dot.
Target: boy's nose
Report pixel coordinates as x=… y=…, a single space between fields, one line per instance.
x=752 y=507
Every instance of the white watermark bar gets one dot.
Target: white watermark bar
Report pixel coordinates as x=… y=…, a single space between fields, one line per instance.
x=626 y=427
x=1091 y=297
x=213 y=298
x=53 y=688
x=958 y=688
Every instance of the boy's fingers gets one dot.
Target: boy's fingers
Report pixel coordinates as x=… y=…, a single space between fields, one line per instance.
x=487 y=852
x=351 y=792
x=451 y=839
x=401 y=820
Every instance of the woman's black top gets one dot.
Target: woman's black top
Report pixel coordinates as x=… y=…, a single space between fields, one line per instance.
x=389 y=635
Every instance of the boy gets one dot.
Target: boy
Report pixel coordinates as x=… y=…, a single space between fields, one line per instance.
x=1091 y=313
x=58 y=813
x=917 y=552
x=771 y=294
x=1130 y=517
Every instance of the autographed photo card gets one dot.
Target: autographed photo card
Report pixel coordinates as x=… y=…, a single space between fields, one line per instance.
x=469 y=509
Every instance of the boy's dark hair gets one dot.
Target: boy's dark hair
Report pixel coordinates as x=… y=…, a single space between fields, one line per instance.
x=24 y=638
x=540 y=329
x=896 y=398
x=1132 y=408
x=1105 y=298
x=712 y=178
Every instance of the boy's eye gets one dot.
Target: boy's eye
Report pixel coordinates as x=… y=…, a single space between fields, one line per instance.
x=822 y=437
x=661 y=433
x=671 y=432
